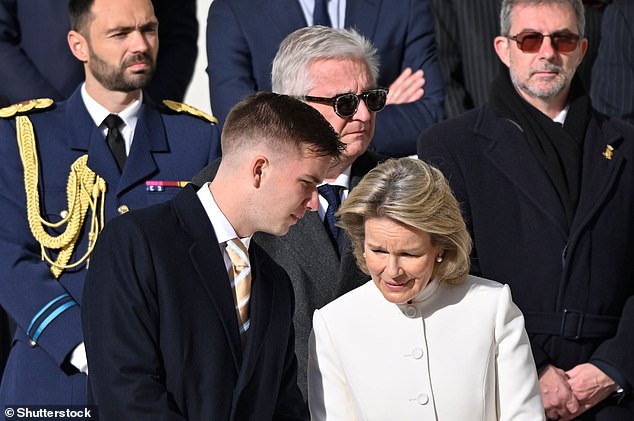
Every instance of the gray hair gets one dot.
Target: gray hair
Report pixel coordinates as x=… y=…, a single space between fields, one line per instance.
x=301 y=48
x=415 y=194
x=508 y=5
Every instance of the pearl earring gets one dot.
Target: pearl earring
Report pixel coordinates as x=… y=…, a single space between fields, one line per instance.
x=439 y=258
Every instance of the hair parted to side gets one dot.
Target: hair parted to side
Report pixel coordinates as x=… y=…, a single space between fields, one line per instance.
x=301 y=48
x=80 y=14
x=508 y=5
x=280 y=122
x=416 y=194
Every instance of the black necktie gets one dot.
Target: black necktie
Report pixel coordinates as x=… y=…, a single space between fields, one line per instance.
x=332 y=194
x=115 y=140
x=320 y=13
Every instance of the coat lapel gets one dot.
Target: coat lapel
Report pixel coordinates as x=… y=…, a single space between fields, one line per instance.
x=85 y=136
x=509 y=151
x=207 y=259
x=599 y=171
x=149 y=137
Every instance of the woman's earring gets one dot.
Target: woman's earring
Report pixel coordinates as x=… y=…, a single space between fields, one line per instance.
x=364 y=255
x=439 y=258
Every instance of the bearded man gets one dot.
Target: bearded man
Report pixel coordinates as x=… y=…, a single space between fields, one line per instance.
x=546 y=184
x=122 y=152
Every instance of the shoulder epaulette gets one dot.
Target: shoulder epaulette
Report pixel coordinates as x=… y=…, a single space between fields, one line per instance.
x=179 y=107
x=25 y=107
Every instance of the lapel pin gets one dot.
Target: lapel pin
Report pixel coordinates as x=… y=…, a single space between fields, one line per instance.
x=608 y=153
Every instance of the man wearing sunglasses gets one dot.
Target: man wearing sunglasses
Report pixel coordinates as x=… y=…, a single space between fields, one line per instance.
x=546 y=184
x=335 y=71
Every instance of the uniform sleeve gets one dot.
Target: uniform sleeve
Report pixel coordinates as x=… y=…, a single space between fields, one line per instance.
x=228 y=60
x=41 y=306
x=518 y=388
x=120 y=317
x=329 y=396
x=398 y=126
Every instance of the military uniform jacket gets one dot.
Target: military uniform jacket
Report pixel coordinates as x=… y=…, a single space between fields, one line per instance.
x=574 y=284
x=166 y=146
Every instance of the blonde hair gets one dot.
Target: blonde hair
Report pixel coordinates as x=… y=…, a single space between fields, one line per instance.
x=416 y=194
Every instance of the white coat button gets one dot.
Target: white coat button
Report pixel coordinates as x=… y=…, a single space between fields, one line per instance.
x=417 y=353
x=122 y=209
x=410 y=311
x=422 y=399
x=63 y=214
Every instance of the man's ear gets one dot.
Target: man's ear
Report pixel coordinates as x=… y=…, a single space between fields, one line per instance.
x=78 y=45
x=259 y=165
x=583 y=44
x=502 y=47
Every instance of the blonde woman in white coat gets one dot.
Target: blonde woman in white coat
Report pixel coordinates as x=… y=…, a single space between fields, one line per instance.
x=422 y=340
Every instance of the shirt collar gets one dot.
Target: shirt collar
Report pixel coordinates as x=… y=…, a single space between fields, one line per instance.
x=561 y=117
x=222 y=227
x=98 y=112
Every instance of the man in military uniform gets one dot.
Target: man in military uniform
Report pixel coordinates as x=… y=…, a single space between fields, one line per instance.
x=67 y=168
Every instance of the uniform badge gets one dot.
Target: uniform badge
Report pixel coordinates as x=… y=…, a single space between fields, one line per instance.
x=179 y=107
x=25 y=106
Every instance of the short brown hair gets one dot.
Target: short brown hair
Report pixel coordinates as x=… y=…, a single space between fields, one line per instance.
x=279 y=120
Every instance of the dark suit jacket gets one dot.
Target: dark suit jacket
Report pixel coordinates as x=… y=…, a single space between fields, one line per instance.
x=613 y=71
x=243 y=37
x=521 y=235
x=37 y=62
x=166 y=146
x=161 y=328
x=465 y=30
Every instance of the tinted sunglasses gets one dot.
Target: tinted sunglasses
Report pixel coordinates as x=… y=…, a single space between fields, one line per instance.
x=345 y=105
x=531 y=42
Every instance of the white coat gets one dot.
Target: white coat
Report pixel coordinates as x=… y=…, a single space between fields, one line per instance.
x=457 y=353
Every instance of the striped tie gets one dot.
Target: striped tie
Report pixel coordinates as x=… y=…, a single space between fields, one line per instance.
x=241 y=283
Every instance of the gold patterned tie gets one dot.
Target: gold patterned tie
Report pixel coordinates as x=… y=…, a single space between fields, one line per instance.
x=241 y=283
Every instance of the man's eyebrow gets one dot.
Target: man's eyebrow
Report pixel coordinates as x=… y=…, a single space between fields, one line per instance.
x=314 y=179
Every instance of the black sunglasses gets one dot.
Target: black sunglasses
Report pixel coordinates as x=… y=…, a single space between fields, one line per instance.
x=345 y=105
x=531 y=42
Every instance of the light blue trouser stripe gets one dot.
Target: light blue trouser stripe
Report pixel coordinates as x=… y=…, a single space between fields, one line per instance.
x=52 y=317
x=46 y=307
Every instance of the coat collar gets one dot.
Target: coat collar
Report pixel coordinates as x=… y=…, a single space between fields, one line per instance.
x=508 y=150
x=149 y=137
x=207 y=259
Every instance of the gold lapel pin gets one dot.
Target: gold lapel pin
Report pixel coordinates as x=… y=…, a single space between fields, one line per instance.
x=609 y=152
